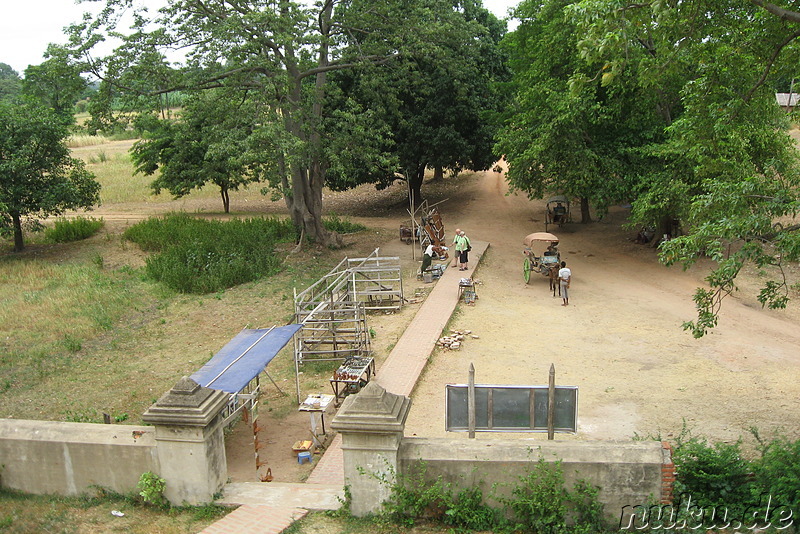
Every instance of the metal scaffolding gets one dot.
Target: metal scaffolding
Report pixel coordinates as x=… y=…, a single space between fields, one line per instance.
x=333 y=310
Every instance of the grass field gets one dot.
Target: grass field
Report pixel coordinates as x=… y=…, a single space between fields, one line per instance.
x=83 y=332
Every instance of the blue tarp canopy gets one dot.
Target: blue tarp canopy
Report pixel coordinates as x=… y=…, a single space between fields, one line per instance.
x=244 y=357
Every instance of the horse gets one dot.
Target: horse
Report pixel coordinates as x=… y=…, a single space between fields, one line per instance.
x=553 y=276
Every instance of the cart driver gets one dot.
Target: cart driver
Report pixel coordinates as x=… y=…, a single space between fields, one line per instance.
x=558 y=212
x=552 y=250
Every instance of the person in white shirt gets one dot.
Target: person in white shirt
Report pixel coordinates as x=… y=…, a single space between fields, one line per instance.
x=564 y=276
x=427 y=256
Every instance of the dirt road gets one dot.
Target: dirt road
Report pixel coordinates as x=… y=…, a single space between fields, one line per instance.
x=620 y=339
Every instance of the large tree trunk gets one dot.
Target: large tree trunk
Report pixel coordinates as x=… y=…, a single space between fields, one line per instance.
x=438 y=173
x=415 y=185
x=586 y=216
x=305 y=200
x=19 y=245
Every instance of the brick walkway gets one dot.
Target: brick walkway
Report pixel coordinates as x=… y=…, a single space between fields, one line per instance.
x=398 y=374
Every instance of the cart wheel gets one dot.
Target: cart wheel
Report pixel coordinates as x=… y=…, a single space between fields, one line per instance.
x=526 y=270
x=407 y=240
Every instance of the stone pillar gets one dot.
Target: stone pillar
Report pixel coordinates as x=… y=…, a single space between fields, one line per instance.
x=189 y=442
x=371 y=424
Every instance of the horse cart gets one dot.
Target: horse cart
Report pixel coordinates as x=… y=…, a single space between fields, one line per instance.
x=546 y=264
x=557 y=211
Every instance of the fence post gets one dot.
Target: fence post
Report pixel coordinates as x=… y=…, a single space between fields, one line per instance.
x=189 y=442
x=551 y=402
x=371 y=424
x=471 y=401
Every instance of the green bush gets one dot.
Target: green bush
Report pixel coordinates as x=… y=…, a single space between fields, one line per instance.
x=343 y=226
x=414 y=497
x=67 y=230
x=200 y=256
x=777 y=473
x=151 y=489
x=539 y=503
x=714 y=475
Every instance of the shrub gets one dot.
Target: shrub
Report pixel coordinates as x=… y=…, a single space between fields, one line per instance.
x=714 y=475
x=414 y=497
x=539 y=502
x=200 y=256
x=151 y=489
x=777 y=473
x=67 y=230
x=343 y=226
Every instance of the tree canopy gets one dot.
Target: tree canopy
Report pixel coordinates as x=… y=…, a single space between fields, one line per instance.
x=584 y=143
x=437 y=104
x=10 y=82
x=56 y=82
x=38 y=178
x=278 y=56
x=729 y=170
x=213 y=140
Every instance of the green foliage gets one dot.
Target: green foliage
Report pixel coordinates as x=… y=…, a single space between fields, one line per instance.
x=715 y=475
x=200 y=256
x=777 y=472
x=67 y=230
x=413 y=497
x=214 y=141
x=39 y=178
x=539 y=503
x=151 y=489
x=10 y=82
x=343 y=226
x=56 y=82
x=468 y=511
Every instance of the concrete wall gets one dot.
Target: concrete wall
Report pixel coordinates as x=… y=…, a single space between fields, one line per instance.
x=44 y=457
x=628 y=473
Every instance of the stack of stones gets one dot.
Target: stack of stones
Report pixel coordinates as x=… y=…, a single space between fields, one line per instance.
x=454 y=340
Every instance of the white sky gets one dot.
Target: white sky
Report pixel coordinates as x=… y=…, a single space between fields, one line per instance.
x=28 y=26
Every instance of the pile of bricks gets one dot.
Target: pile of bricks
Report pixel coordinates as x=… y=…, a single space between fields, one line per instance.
x=454 y=340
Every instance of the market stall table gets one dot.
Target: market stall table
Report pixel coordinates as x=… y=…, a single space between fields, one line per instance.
x=314 y=404
x=351 y=376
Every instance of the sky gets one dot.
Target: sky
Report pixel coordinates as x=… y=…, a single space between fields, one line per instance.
x=28 y=26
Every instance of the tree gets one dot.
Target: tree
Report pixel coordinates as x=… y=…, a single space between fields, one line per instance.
x=276 y=51
x=732 y=170
x=10 y=82
x=212 y=140
x=437 y=104
x=38 y=178
x=583 y=141
x=56 y=82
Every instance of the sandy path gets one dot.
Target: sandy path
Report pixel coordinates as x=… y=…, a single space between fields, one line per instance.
x=620 y=340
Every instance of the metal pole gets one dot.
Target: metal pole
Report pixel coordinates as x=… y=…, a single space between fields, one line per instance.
x=551 y=402
x=471 y=401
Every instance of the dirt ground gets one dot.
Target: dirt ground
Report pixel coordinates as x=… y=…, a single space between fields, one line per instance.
x=620 y=340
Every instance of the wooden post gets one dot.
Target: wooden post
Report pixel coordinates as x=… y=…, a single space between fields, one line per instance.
x=471 y=401
x=551 y=402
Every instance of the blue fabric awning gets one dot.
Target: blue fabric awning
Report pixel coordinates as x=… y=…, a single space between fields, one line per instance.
x=244 y=357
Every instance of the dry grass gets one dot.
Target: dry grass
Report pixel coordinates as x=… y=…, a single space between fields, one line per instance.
x=78 y=141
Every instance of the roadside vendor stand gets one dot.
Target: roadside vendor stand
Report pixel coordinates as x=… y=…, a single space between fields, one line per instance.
x=351 y=376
